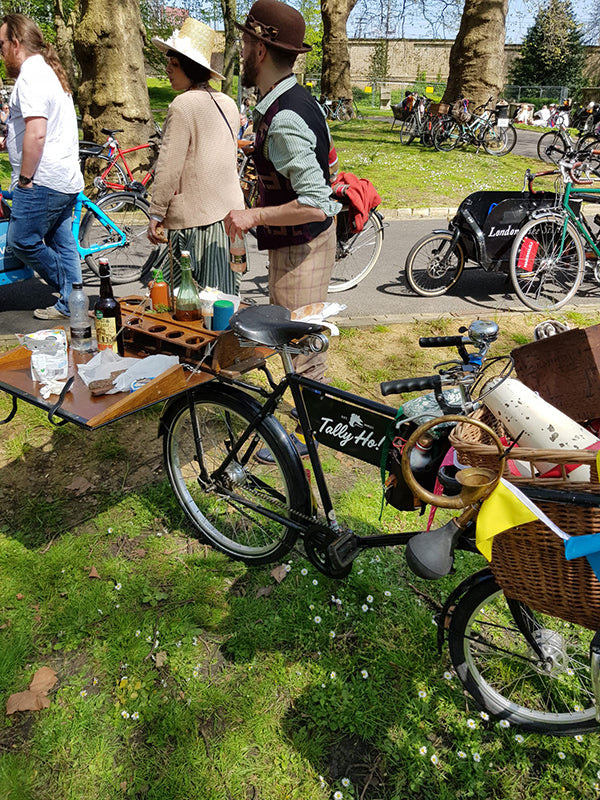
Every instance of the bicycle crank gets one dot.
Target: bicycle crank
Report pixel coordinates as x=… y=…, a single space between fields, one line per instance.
x=332 y=553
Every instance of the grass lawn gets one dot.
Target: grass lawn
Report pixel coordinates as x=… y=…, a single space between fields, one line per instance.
x=183 y=675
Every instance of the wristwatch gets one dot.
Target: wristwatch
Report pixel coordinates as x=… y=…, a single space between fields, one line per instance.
x=24 y=181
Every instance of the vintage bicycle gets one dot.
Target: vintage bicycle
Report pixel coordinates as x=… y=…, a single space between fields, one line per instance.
x=465 y=127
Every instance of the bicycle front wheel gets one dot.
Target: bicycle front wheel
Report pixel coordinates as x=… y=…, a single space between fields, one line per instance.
x=548 y=691
x=446 y=135
x=408 y=130
x=230 y=510
x=355 y=254
x=128 y=250
x=510 y=133
x=433 y=265
x=551 y=147
x=547 y=263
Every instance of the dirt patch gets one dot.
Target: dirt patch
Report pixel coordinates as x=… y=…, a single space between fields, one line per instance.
x=363 y=764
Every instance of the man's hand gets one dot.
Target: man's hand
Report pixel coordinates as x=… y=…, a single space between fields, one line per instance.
x=239 y=222
x=156 y=232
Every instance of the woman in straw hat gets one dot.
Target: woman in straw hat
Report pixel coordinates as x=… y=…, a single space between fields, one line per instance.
x=196 y=181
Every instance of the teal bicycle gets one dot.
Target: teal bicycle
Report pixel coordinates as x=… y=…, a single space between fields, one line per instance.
x=114 y=227
x=551 y=252
x=464 y=127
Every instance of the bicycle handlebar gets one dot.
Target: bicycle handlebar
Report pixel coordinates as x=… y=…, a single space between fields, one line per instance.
x=410 y=385
x=443 y=341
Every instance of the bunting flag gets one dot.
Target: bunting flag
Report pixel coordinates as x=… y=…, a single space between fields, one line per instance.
x=505 y=508
x=588 y=546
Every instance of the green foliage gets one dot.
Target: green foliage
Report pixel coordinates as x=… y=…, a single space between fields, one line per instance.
x=311 y=11
x=379 y=63
x=552 y=53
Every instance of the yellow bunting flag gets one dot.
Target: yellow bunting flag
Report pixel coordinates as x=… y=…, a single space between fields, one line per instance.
x=368 y=89
x=505 y=508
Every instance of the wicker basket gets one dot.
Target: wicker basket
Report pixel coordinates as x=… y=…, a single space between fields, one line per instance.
x=528 y=561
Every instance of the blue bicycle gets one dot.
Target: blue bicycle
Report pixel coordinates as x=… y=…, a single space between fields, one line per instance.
x=114 y=228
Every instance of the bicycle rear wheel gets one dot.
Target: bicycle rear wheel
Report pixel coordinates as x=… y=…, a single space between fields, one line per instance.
x=494 y=140
x=501 y=670
x=547 y=263
x=551 y=147
x=220 y=508
x=355 y=254
x=130 y=255
x=433 y=266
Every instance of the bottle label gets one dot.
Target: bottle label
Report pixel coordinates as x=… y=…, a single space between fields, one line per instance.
x=81 y=333
x=106 y=333
x=237 y=262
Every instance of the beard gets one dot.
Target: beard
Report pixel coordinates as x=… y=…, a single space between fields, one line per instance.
x=250 y=70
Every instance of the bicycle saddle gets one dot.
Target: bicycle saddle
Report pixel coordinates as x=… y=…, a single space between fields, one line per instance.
x=111 y=131
x=270 y=325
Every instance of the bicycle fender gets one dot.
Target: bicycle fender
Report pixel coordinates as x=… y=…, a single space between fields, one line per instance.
x=445 y=615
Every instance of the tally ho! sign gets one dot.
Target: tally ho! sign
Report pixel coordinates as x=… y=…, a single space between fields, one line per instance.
x=346 y=427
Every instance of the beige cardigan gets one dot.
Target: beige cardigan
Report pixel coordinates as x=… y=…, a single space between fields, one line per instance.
x=196 y=180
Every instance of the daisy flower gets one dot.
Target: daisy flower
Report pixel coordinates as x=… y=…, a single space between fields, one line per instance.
x=471 y=724
x=579 y=738
x=288 y=567
x=332 y=634
x=461 y=754
x=364 y=673
x=504 y=723
x=369 y=598
x=303 y=571
x=338 y=795
x=476 y=758
x=138 y=633
x=332 y=675
x=83 y=693
x=315 y=582
x=317 y=619
x=561 y=755
x=125 y=714
x=447 y=676
x=518 y=738
x=423 y=750
x=422 y=694
x=364 y=607
x=345 y=781
x=485 y=717
x=435 y=759
x=118 y=587
x=135 y=715
x=387 y=594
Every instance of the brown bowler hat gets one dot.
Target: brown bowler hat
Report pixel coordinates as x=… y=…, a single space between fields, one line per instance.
x=277 y=25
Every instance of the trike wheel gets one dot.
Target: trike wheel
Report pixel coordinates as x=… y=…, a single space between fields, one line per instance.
x=551 y=147
x=355 y=253
x=433 y=265
x=230 y=510
x=548 y=691
x=130 y=255
x=547 y=263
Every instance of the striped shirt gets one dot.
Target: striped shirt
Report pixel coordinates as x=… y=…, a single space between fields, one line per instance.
x=290 y=146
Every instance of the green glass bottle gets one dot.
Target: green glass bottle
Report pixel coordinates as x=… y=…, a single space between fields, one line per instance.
x=187 y=302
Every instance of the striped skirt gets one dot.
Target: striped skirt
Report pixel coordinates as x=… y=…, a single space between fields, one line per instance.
x=209 y=255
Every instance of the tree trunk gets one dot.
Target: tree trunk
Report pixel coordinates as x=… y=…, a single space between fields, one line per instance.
x=477 y=66
x=335 y=71
x=64 y=41
x=109 y=43
x=230 y=55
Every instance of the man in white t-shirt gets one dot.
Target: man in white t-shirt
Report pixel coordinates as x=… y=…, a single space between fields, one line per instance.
x=43 y=145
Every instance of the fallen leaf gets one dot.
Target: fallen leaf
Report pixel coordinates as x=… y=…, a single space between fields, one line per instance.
x=20 y=596
x=279 y=572
x=79 y=485
x=160 y=658
x=264 y=591
x=93 y=573
x=43 y=680
x=26 y=701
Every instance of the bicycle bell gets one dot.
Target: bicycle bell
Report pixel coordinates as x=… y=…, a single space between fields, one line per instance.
x=482 y=331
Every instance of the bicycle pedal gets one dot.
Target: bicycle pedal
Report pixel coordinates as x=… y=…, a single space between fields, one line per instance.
x=343 y=550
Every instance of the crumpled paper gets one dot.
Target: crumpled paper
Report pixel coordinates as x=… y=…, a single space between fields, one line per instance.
x=51 y=387
x=106 y=362
x=319 y=312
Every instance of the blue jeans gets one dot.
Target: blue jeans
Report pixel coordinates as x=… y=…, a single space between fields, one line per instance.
x=40 y=236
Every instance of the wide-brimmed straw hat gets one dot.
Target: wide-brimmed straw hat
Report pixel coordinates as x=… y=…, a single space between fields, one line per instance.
x=277 y=25
x=195 y=40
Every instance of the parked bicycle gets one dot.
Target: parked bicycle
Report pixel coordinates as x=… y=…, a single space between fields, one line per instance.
x=558 y=143
x=340 y=110
x=465 y=127
x=114 y=171
x=550 y=252
x=115 y=228
x=418 y=122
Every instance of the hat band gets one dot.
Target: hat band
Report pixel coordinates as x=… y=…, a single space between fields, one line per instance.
x=268 y=31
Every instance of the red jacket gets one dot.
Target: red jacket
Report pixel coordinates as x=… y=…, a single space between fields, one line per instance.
x=358 y=194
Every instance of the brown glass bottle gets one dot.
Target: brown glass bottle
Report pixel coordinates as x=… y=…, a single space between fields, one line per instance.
x=107 y=313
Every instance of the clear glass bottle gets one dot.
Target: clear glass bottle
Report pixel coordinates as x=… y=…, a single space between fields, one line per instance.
x=187 y=302
x=80 y=322
x=107 y=312
x=237 y=255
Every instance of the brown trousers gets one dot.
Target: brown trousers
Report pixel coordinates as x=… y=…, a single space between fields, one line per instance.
x=299 y=275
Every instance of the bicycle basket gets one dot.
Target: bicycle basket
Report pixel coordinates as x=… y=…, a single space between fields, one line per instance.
x=459 y=111
x=528 y=561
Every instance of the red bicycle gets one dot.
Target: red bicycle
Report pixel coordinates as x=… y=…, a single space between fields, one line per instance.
x=115 y=174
